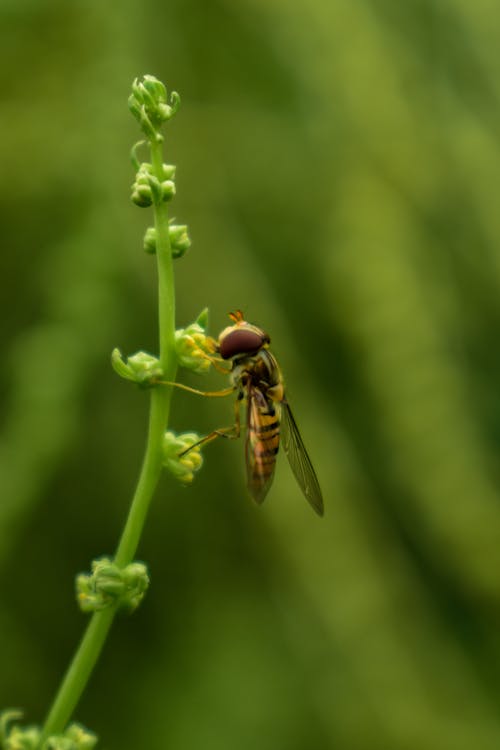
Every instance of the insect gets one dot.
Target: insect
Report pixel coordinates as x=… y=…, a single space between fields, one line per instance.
x=256 y=378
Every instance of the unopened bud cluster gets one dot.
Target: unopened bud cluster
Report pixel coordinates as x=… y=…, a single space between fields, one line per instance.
x=181 y=455
x=194 y=348
x=151 y=106
x=179 y=240
x=13 y=736
x=110 y=585
x=194 y=351
x=140 y=368
x=148 y=188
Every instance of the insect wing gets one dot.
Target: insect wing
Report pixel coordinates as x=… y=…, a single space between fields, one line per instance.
x=262 y=443
x=299 y=460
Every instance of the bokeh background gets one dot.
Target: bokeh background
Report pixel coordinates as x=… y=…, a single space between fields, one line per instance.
x=339 y=169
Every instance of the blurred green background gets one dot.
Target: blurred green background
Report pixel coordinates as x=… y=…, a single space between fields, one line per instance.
x=339 y=169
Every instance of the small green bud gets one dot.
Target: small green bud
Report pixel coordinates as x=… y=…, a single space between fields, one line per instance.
x=146 y=187
x=180 y=241
x=167 y=190
x=150 y=241
x=155 y=89
x=144 y=367
x=7 y=717
x=164 y=112
x=82 y=739
x=194 y=348
x=136 y=580
x=144 y=172
x=169 y=110
x=140 y=368
x=141 y=195
x=148 y=104
x=22 y=739
x=145 y=94
x=134 y=106
x=109 y=585
x=139 y=113
x=15 y=737
x=182 y=466
x=74 y=738
x=136 y=90
x=168 y=171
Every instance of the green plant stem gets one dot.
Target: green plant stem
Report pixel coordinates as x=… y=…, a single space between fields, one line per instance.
x=160 y=397
x=93 y=640
x=78 y=673
x=166 y=297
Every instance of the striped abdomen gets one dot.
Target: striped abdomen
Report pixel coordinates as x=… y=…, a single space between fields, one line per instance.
x=263 y=439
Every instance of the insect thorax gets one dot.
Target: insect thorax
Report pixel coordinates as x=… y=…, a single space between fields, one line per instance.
x=259 y=370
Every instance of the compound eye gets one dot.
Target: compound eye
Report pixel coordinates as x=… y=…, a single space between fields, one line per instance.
x=241 y=341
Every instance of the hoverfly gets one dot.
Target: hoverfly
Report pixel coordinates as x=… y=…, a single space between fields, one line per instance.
x=257 y=380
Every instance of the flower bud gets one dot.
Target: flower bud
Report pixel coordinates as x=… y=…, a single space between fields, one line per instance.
x=155 y=89
x=82 y=738
x=15 y=737
x=180 y=241
x=146 y=187
x=194 y=348
x=141 y=195
x=167 y=190
x=182 y=466
x=148 y=104
x=168 y=171
x=164 y=112
x=109 y=585
x=150 y=241
x=134 y=107
x=144 y=170
x=140 y=368
x=144 y=121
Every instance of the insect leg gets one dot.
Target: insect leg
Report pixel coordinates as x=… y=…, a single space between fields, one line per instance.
x=215 y=362
x=232 y=433
x=210 y=394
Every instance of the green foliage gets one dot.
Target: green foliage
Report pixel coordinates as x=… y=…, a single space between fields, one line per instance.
x=378 y=281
